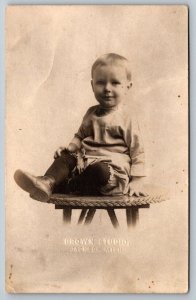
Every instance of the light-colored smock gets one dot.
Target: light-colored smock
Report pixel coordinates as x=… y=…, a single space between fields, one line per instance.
x=113 y=138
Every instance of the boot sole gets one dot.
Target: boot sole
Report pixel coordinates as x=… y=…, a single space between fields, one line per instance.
x=39 y=195
x=26 y=183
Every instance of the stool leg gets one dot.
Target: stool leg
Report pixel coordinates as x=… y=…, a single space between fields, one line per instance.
x=90 y=216
x=113 y=217
x=82 y=215
x=67 y=215
x=132 y=214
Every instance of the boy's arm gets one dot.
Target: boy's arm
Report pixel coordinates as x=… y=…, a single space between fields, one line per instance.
x=137 y=170
x=136 y=150
x=74 y=145
x=76 y=142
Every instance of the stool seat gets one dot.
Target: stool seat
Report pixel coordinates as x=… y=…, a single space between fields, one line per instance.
x=89 y=204
x=121 y=201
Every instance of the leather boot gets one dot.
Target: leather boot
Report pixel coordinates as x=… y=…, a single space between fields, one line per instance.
x=39 y=187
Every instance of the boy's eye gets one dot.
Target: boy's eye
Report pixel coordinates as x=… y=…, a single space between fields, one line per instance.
x=100 y=82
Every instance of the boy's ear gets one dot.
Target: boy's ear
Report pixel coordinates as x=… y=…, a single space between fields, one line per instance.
x=92 y=85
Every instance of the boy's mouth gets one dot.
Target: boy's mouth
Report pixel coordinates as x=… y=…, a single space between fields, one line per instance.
x=108 y=97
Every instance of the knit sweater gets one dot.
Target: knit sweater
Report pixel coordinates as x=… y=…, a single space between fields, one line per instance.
x=112 y=136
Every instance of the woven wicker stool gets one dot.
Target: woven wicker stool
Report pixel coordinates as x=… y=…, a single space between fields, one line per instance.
x=89 y=205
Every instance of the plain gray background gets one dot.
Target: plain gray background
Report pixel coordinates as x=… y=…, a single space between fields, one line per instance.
x=191 y=294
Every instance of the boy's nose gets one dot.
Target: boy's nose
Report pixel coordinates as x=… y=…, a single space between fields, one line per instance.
x=108 y=87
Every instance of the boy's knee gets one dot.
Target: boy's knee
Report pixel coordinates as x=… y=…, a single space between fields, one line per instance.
x=99 y=173
x=69 y=158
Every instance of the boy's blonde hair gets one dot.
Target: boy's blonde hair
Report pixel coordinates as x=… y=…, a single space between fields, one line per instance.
x=112 y=59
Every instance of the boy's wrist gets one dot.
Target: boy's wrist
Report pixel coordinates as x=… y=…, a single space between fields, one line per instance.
x=72 y=148
x=137 y=181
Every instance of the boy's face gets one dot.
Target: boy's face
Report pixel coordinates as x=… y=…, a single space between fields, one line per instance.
x=110 y=85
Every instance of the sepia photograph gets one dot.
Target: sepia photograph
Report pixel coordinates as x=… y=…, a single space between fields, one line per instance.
x=97 y=149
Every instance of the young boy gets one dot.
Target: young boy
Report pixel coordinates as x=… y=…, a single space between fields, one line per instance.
x=112 y=160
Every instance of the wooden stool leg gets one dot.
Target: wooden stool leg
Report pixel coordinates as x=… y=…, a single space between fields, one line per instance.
x=90 y=215
x=132 y=214
x=113 y=217
x=82 y=215
x=67 y=215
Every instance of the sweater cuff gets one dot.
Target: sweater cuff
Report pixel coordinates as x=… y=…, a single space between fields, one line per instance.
x=138 y=170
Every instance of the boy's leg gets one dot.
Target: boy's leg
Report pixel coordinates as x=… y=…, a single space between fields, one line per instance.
x=93 y=177
x=62 y=167
x=41 y=187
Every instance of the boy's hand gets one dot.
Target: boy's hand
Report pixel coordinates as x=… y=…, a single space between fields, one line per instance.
x=72 y=148
x=58 y=152
x=136 y=187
